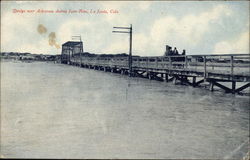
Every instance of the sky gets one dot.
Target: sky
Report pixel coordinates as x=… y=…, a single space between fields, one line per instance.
x=210 y=27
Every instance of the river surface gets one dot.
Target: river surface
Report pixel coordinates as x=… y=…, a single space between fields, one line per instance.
x=58 y=111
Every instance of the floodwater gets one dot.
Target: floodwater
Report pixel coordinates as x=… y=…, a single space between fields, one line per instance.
x=59 y=111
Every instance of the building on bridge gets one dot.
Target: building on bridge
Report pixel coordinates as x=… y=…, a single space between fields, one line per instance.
x=71 y=49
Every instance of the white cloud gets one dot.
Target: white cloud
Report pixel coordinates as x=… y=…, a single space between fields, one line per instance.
x=70 y=28
x=151 y=34
x=40 y=47
x=19 y=30
x=16 y=30
x=144 y=5
x=120 y=18
x=140 y=43
x=125 y=9
x=239 y=44
x=119 y=46
x=188 y=30
x=126 y=4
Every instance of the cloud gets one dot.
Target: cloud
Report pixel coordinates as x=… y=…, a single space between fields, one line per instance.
x=21 y=29
x=119 y=46
x=154 y=25
x=17 y=30
x=114 y=4
x=239 y=44
x=188 y=30
x=12 y=23
x=140 y=44
x=37 y=48
x=144 y=5
x=70 y=28
x=117 y=19
x=126 y=11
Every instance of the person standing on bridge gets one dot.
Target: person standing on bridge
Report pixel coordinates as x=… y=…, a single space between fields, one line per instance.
x=175 y=51
x=170 y=51
x=183 y=52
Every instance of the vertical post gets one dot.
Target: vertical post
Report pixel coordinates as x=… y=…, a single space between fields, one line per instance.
x=170 y=62
x=194 y=81
x=147 y=62
x=156 y=59
x=174 y=80
x=233 y=86
x=186 y=62
x=232 y=75
x=149 y=75
x=62 y=55
x=166 y=77
x=205 y=68
x=232 y=67
x=69 y=55
x=130 y=51
x=162 y=75
x=211 y=86
x=81 y=50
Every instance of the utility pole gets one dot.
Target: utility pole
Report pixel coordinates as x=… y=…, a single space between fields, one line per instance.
x=129 y=30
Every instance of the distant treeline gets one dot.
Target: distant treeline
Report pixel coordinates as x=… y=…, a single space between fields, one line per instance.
x=28 y=56
x=43 y=57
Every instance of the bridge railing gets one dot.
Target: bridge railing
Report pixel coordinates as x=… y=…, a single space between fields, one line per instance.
x=227 y=64
x=237 y=64
x=232 y=64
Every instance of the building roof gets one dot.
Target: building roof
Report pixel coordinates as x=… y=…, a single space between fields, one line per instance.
x=71 y=43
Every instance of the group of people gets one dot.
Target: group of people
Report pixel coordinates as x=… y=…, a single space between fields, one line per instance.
x=175 y=52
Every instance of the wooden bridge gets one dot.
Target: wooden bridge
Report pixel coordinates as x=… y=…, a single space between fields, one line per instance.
x=194 y=70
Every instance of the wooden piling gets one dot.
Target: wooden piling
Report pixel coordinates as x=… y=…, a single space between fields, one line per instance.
x=194 y=81
x=166 y=77
x=205 y=67
x=233 y=86
x=211 y=86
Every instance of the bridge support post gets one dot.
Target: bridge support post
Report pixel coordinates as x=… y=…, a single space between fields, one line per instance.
x=174 y=80
x=166 y=77
x=233 y=87
x=183 y=79
x=162 y=75
x=149 y=76
x=211 y=86
x=194 y=81
x=205 y=67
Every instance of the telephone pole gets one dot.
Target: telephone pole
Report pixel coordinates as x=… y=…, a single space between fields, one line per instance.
x=128 y=30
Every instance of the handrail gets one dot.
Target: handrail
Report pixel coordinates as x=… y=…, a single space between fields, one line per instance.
x=230 y=64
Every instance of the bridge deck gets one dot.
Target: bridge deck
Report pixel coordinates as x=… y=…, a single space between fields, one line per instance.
x=214 y=68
